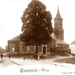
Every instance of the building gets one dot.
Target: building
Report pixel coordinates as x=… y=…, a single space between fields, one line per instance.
x=58 y=35
x=73 y=47
x=57 y=45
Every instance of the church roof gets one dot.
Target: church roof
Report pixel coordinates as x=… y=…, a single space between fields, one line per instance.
x=61 y=42
x=16 y=38
x=53 y=36
x=58 y=14
x=58 y=41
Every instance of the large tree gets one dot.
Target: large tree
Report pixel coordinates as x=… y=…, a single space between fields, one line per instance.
x=37 y=26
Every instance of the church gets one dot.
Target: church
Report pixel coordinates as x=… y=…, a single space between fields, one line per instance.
x=56 y=46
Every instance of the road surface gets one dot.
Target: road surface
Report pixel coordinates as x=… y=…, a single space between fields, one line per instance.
x=19 y=66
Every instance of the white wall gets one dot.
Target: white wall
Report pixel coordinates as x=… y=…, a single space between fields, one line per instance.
x=72 y=48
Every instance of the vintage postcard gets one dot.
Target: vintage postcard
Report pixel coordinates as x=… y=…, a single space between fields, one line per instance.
x=37 y=37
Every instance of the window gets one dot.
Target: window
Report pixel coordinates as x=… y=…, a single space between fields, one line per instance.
x=12 y=47
x=28 y=48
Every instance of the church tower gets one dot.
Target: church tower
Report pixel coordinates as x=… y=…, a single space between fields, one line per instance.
x=58 y=27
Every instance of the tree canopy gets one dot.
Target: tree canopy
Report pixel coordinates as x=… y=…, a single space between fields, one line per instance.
x=37 y=25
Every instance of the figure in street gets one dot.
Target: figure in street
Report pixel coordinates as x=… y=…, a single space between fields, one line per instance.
x=1 y=55
x=9 y=56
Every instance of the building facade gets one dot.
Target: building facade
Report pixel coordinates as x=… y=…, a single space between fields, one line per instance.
x=57 y=44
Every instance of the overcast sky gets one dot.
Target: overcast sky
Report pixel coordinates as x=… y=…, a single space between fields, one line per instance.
x=12 y=10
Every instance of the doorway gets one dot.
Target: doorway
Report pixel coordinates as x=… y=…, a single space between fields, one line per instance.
x=44 y=50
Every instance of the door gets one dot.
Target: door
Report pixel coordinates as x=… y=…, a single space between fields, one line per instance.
x=44 y=50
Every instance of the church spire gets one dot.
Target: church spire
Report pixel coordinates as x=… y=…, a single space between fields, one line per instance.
x=58 y=27
x=58 y=13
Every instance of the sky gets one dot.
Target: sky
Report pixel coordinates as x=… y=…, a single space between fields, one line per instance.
x=11 y=12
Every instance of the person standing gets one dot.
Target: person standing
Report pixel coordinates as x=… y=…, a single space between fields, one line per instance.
x=1 y=55
x=9 y=56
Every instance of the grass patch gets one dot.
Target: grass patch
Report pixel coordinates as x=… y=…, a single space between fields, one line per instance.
x=70 y=60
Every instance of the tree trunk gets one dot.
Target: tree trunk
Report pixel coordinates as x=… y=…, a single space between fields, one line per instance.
x=36 y=48
x=36 y=52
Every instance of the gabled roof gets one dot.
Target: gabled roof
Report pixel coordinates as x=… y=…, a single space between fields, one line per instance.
x=61 y=42
x=58 y=40
x=16 y=38
x=73 y=42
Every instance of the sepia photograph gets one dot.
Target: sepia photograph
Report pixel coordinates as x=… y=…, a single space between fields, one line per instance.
x=37 y=37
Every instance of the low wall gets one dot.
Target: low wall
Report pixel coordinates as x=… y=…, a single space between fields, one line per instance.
x=60 y=50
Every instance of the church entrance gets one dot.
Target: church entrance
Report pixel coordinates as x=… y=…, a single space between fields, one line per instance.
x=44 y=50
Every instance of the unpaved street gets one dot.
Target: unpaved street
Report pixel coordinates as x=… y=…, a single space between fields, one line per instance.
x=20 y=66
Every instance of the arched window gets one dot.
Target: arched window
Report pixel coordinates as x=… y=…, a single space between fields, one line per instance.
x=28 y=48
x=12 y=47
